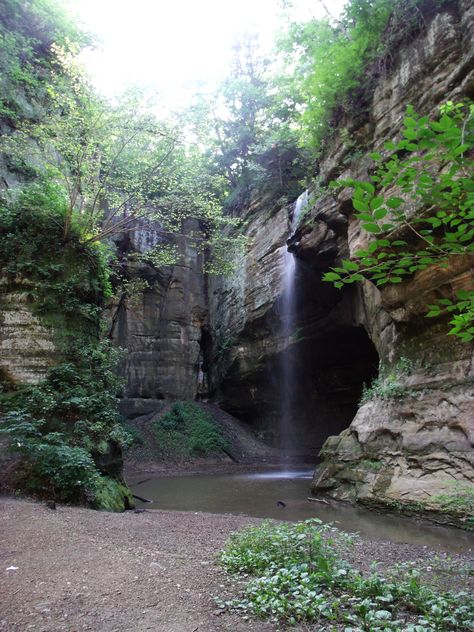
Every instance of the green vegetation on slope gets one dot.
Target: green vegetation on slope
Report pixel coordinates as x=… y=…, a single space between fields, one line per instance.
x=67 y=428
x=29 y=32
x=188 y=431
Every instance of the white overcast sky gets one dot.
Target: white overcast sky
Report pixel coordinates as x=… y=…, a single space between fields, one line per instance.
x=169 y=45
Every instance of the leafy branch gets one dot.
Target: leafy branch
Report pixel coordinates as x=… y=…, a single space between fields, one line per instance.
x=418 y=209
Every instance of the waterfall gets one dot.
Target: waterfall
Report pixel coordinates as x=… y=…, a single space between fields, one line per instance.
x=288 y=327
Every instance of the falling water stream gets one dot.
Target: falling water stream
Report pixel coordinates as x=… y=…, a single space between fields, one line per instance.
x=288 y=327
x=283 y=494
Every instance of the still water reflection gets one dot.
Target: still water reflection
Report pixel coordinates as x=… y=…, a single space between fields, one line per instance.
x=258 y=494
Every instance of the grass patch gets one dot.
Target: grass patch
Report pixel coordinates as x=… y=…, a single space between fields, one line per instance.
x=298 y=573
x=459 y=502
x=188 y=431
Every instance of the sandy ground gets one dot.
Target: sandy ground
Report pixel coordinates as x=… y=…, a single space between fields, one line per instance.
x=79 y=570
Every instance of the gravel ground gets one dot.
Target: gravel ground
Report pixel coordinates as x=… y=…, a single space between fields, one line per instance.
x=79 y=570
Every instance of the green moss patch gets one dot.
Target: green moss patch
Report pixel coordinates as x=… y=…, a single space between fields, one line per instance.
x=112 y=495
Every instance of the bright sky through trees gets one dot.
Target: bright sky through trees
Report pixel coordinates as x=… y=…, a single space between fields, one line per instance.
x=171 y=45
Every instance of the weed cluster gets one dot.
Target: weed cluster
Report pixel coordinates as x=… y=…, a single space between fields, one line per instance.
x=299 y=575
x=457 y=501
x=389 y=383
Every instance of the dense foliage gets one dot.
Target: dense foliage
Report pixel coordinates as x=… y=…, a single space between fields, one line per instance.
x=249 y=133
x=300 y=573
x=29 y=31
x=187 y=430
x=67 y=429
x=332 y=65
x=64 y=427
x=65 y=281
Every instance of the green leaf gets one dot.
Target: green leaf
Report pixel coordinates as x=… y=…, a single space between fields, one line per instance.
x=410 y=134
x=372 y=228
x=350 y=265
x=395 y=202
x=360 y=205
x=408 y=121
x=376 y=202
x=367 y=186
x=380 y=213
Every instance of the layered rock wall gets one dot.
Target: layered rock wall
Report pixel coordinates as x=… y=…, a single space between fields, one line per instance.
x=402 y=445
x=27 y=347
x=161 y=328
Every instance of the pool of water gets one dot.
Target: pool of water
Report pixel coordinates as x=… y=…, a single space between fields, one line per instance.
x=284 y=496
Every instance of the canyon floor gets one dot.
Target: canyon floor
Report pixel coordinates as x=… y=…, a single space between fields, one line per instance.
x=77 y=570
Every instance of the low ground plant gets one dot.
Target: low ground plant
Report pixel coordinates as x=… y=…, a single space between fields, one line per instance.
x=457 y=500
x=300 y=573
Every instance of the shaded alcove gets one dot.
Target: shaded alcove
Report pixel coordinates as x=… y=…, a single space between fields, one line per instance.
x=327 y=354
x=329 y=375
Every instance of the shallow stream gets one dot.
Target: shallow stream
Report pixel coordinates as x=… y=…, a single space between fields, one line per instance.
x=284 y=496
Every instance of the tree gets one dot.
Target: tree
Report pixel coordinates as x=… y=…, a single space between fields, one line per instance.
x=419 y=209
x=116 y=165
x=28 y=31
x=248 y=131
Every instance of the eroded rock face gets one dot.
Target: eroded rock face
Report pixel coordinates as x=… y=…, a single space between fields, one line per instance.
x=411 y=447
x=27 y=348
x=161 y=329
x=404 y=448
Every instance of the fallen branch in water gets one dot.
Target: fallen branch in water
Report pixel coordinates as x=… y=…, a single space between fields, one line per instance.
x=318 y=500
x=144 y=500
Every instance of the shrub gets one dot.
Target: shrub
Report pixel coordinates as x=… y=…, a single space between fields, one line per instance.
x=64 y=425
x=51 y=466
x=389 y=384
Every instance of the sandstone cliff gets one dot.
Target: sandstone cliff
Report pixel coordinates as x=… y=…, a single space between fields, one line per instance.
x=398 y=449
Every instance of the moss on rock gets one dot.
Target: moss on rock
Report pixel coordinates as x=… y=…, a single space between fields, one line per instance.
x=112 y=495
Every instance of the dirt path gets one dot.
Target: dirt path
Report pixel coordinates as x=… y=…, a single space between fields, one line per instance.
x=83 y=570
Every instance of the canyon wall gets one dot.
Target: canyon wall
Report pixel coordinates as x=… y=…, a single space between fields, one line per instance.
x=398 y=448
x=161 y=328
x=188 y=336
